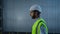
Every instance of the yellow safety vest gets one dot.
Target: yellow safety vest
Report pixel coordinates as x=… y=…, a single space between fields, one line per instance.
x=36 y=26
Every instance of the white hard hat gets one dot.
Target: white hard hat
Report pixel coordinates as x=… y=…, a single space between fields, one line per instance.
x=35 y=7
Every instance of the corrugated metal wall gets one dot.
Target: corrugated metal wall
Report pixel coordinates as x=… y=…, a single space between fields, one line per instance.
x=16 y=15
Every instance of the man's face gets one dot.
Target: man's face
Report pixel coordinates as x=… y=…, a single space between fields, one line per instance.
x=33 y=14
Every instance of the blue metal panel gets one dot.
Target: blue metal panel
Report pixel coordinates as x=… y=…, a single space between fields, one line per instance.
x=16 y=15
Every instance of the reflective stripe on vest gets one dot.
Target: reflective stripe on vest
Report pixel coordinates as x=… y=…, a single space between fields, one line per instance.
x=36 y=26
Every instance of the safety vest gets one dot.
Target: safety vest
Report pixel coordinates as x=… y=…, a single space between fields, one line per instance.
x=36 y=26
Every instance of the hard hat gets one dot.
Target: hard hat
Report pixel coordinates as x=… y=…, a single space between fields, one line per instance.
x=35 y=7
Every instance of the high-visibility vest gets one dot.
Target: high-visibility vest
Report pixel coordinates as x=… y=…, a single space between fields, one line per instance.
x=36 y=26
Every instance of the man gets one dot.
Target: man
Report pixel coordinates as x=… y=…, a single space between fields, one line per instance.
x=39 y=27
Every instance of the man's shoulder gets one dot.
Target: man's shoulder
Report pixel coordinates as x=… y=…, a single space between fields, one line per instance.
x=41 y=19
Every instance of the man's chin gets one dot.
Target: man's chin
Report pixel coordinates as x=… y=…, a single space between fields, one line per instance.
x=33 y=18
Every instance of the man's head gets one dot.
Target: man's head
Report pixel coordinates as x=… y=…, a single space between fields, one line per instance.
x=35 y=14
x=35 y=11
